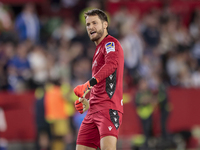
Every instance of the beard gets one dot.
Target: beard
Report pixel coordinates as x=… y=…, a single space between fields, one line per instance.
x=98 y=36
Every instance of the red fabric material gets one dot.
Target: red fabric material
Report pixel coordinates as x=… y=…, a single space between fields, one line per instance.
x=105 y=62
x=96 y=126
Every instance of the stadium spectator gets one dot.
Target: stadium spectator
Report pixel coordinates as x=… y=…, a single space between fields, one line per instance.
x=19 y=70
x=132 y=44
x=6 y=53
x=39 y=66
x=144 y=106
x=6 y=23
x=65 y=31
x=27 y=24
x=151 y=32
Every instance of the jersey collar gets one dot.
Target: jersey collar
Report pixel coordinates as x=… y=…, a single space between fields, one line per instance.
x=103 y=40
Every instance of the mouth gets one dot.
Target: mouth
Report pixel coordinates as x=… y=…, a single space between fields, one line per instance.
x=92 y=32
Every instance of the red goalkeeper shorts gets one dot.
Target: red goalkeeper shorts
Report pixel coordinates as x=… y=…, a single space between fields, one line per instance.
x=98 y=125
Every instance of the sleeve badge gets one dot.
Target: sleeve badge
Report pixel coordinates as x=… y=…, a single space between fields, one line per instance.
x=110 y=47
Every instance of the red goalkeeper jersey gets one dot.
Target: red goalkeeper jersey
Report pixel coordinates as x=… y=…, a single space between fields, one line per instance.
x=107 y=68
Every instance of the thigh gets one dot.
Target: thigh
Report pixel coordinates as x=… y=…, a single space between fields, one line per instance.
x=108 y=122
x=82 y=147
x=108 y=142
x=88 y=135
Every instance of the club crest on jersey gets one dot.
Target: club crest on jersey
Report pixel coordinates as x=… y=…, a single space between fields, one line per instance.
x=110 y=47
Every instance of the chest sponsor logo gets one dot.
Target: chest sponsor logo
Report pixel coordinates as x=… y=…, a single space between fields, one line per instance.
x=110 y=47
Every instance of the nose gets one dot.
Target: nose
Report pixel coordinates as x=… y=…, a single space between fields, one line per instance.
x=90 y=27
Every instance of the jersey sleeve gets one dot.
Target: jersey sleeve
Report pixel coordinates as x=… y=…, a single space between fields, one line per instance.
x=111 y=52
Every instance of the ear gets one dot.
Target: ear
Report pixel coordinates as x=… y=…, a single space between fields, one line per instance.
x=105 y=24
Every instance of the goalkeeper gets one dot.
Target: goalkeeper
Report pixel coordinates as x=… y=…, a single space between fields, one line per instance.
x=100 y=127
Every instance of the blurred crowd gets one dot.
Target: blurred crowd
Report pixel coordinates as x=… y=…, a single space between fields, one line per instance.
x=37 y=51
x=34 y=52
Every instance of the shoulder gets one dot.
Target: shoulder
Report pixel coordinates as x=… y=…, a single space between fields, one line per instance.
x=111 y=39
x=111 y=42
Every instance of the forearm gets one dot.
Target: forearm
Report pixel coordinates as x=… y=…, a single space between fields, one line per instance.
x=111 y=63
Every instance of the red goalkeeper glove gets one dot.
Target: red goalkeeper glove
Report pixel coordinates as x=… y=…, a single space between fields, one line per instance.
x=81 y=105
x=81 y=90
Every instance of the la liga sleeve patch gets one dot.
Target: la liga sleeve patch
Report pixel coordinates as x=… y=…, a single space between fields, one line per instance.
x=110 y=47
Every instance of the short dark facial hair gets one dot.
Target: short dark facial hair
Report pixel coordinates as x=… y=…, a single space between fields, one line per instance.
x=98 y=37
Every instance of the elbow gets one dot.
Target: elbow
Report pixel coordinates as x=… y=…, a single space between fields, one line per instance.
x=114 y=65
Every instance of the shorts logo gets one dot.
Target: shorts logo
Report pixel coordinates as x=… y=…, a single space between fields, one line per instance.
x=110 y=47
x=122 y=102
x=110 y=128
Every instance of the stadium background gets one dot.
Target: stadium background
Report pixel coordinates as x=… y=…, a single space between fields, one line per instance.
x=45 y=52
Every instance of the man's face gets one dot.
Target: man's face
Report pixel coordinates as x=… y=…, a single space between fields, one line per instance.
x=95 y=27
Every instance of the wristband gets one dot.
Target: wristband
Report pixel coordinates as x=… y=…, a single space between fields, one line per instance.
x=93 y=81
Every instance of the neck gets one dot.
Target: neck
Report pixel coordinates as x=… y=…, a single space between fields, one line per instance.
x=100 y=39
